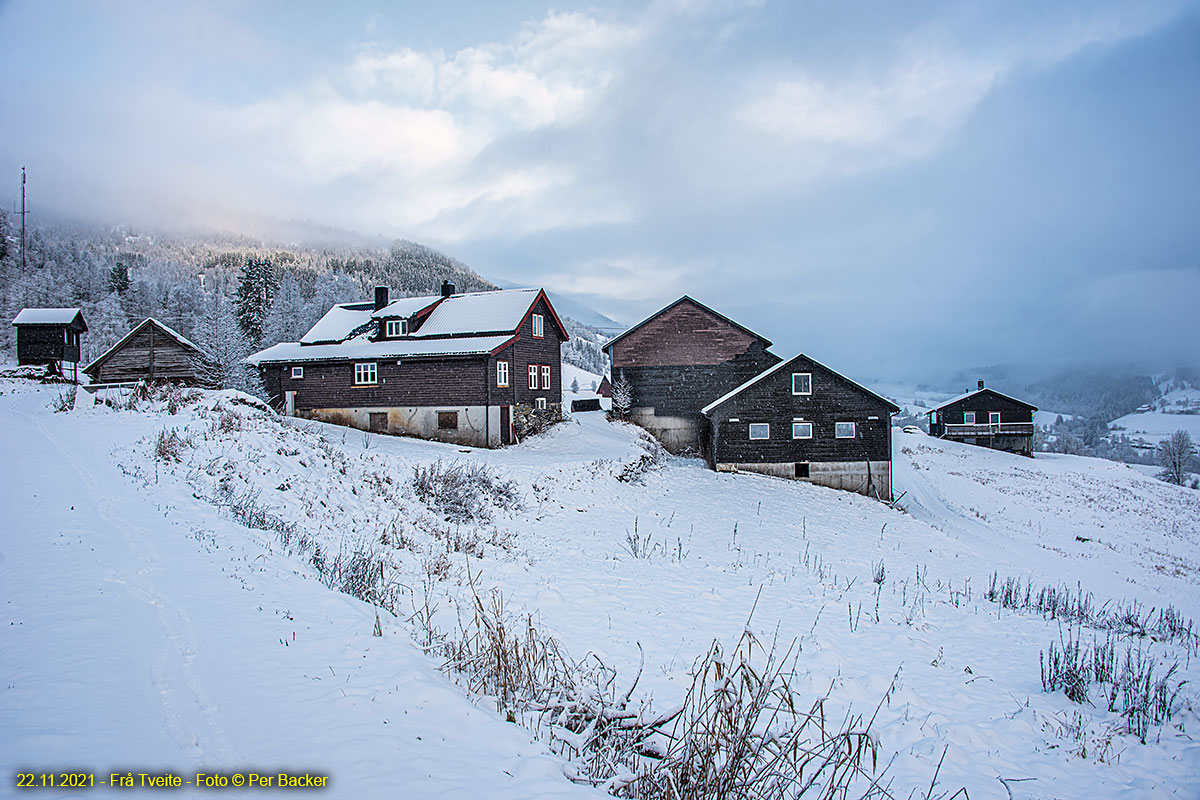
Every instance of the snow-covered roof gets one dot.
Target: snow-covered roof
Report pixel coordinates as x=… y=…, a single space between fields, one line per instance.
x=46 y=316
x=965 y=395
x=362 y=348
x=479 y=312
x=338 y=323
x=772 y=370
x=167 y=329
x=406 y=306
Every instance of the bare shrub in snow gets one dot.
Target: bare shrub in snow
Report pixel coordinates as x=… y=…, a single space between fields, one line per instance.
x=169 y=445
x=65 y=400
x=464 y=492
x=359 y=571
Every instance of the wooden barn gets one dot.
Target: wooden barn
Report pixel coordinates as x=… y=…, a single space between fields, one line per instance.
x=481 y=368
x=151 y=351
x=987 y=418
x=680 y=359
x=800 y=419
x=50 y=336
x=605 y=388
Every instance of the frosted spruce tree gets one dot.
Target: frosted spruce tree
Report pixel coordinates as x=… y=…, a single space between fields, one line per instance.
x=226 y=346
x=256 y=289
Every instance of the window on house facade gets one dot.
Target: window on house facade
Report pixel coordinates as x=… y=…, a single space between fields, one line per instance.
x=802 y=430
x=502 y=373
x=545 y=377
x=297 y=372
x=844 y=430
x=540 y=403
x=538 y=326
x=801 y=383
x=760 y=430
x=365 y=374
x=533 y=376
x=447 y=420
x=993 y=417
x=394 y=328
x=968 y=418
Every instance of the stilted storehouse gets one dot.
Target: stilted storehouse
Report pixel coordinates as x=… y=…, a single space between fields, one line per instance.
x=987 y=418
x=50 y=336
x=151 y=351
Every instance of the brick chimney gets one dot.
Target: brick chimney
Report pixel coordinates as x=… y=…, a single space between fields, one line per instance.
x=447 y=288
x=381 y=297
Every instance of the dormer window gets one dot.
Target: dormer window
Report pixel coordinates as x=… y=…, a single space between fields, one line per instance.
x=538 y=326
x=393 y=328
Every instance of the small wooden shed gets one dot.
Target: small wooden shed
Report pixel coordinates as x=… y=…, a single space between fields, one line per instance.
x=151 y=351
x=49 y=336
x=605 y=388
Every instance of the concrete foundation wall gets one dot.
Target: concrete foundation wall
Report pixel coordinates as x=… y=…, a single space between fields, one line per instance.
x=851 y=476
x=478 y=426
x=678 y=435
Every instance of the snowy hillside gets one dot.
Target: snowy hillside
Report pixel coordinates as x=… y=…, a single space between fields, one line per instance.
x=1175 y=410
x=172 y=636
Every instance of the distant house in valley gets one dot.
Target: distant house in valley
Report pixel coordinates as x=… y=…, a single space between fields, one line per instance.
x=151 y=351
x=605 y=388
x=678 y=360
x=50 y=336
x=988 y=418
x=800 y=419
x=480 y=368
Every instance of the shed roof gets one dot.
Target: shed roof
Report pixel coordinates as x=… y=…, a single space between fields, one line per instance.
x=167 y=329
x=766 y=342
x=49 y=316
x=772 y=370
x=984 y=390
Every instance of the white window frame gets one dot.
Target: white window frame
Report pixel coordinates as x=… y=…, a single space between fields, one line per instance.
x=795 y=435
x=545 y=377
x=365 y=369
x=837 y=430
x=539 y=326
x=968 y=418
x=533 y=376
x=297 y=373
x=766 y=431
x=802 y=375
x=540 y=404
x=502 y=374
x=395 y=327
x=993 y=418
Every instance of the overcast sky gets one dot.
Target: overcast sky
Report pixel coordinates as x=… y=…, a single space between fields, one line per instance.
x=896 y=189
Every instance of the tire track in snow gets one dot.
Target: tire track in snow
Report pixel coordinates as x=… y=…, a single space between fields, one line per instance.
x=189 y=710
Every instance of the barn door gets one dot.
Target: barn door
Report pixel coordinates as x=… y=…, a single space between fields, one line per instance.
x=289 y=404
x=506 y=425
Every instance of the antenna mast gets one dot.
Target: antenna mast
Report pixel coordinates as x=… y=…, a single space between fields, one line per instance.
x=23 y=212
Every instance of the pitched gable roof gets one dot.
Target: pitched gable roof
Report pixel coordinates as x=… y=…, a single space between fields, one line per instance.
x=169 y=331
x=49 y=316
x=477 y=313
x=984 y=390
x=781 y=365
x=607 y=347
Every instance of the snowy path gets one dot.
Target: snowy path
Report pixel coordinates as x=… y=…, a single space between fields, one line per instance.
x=132 y=642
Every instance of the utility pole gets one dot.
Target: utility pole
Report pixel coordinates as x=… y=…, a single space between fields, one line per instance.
x=23 y=212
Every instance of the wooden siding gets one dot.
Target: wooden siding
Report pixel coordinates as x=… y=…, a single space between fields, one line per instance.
x=413 y=382
x=149 y=354
x=682 y=390
x=41 y=344
x=834 y=399
x=520 y=354
x=686 y=334
x=983 y=402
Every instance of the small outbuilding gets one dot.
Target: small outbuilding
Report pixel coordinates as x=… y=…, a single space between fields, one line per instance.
x=151 y=351
x=987 y=418
x=49 y=336
x=605 y=388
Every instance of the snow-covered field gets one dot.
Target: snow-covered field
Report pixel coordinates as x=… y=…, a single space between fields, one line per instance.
x=147 y=629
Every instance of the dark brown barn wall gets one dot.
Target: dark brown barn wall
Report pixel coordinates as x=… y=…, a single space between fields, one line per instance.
x=685 y=335
x=150 y=354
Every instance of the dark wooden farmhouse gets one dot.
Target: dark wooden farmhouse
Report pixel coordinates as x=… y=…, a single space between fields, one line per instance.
x=481 y=368
x=50 y=336
x=800 y=419
x=988 y=418
x=150 y=352
x=678 y=360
